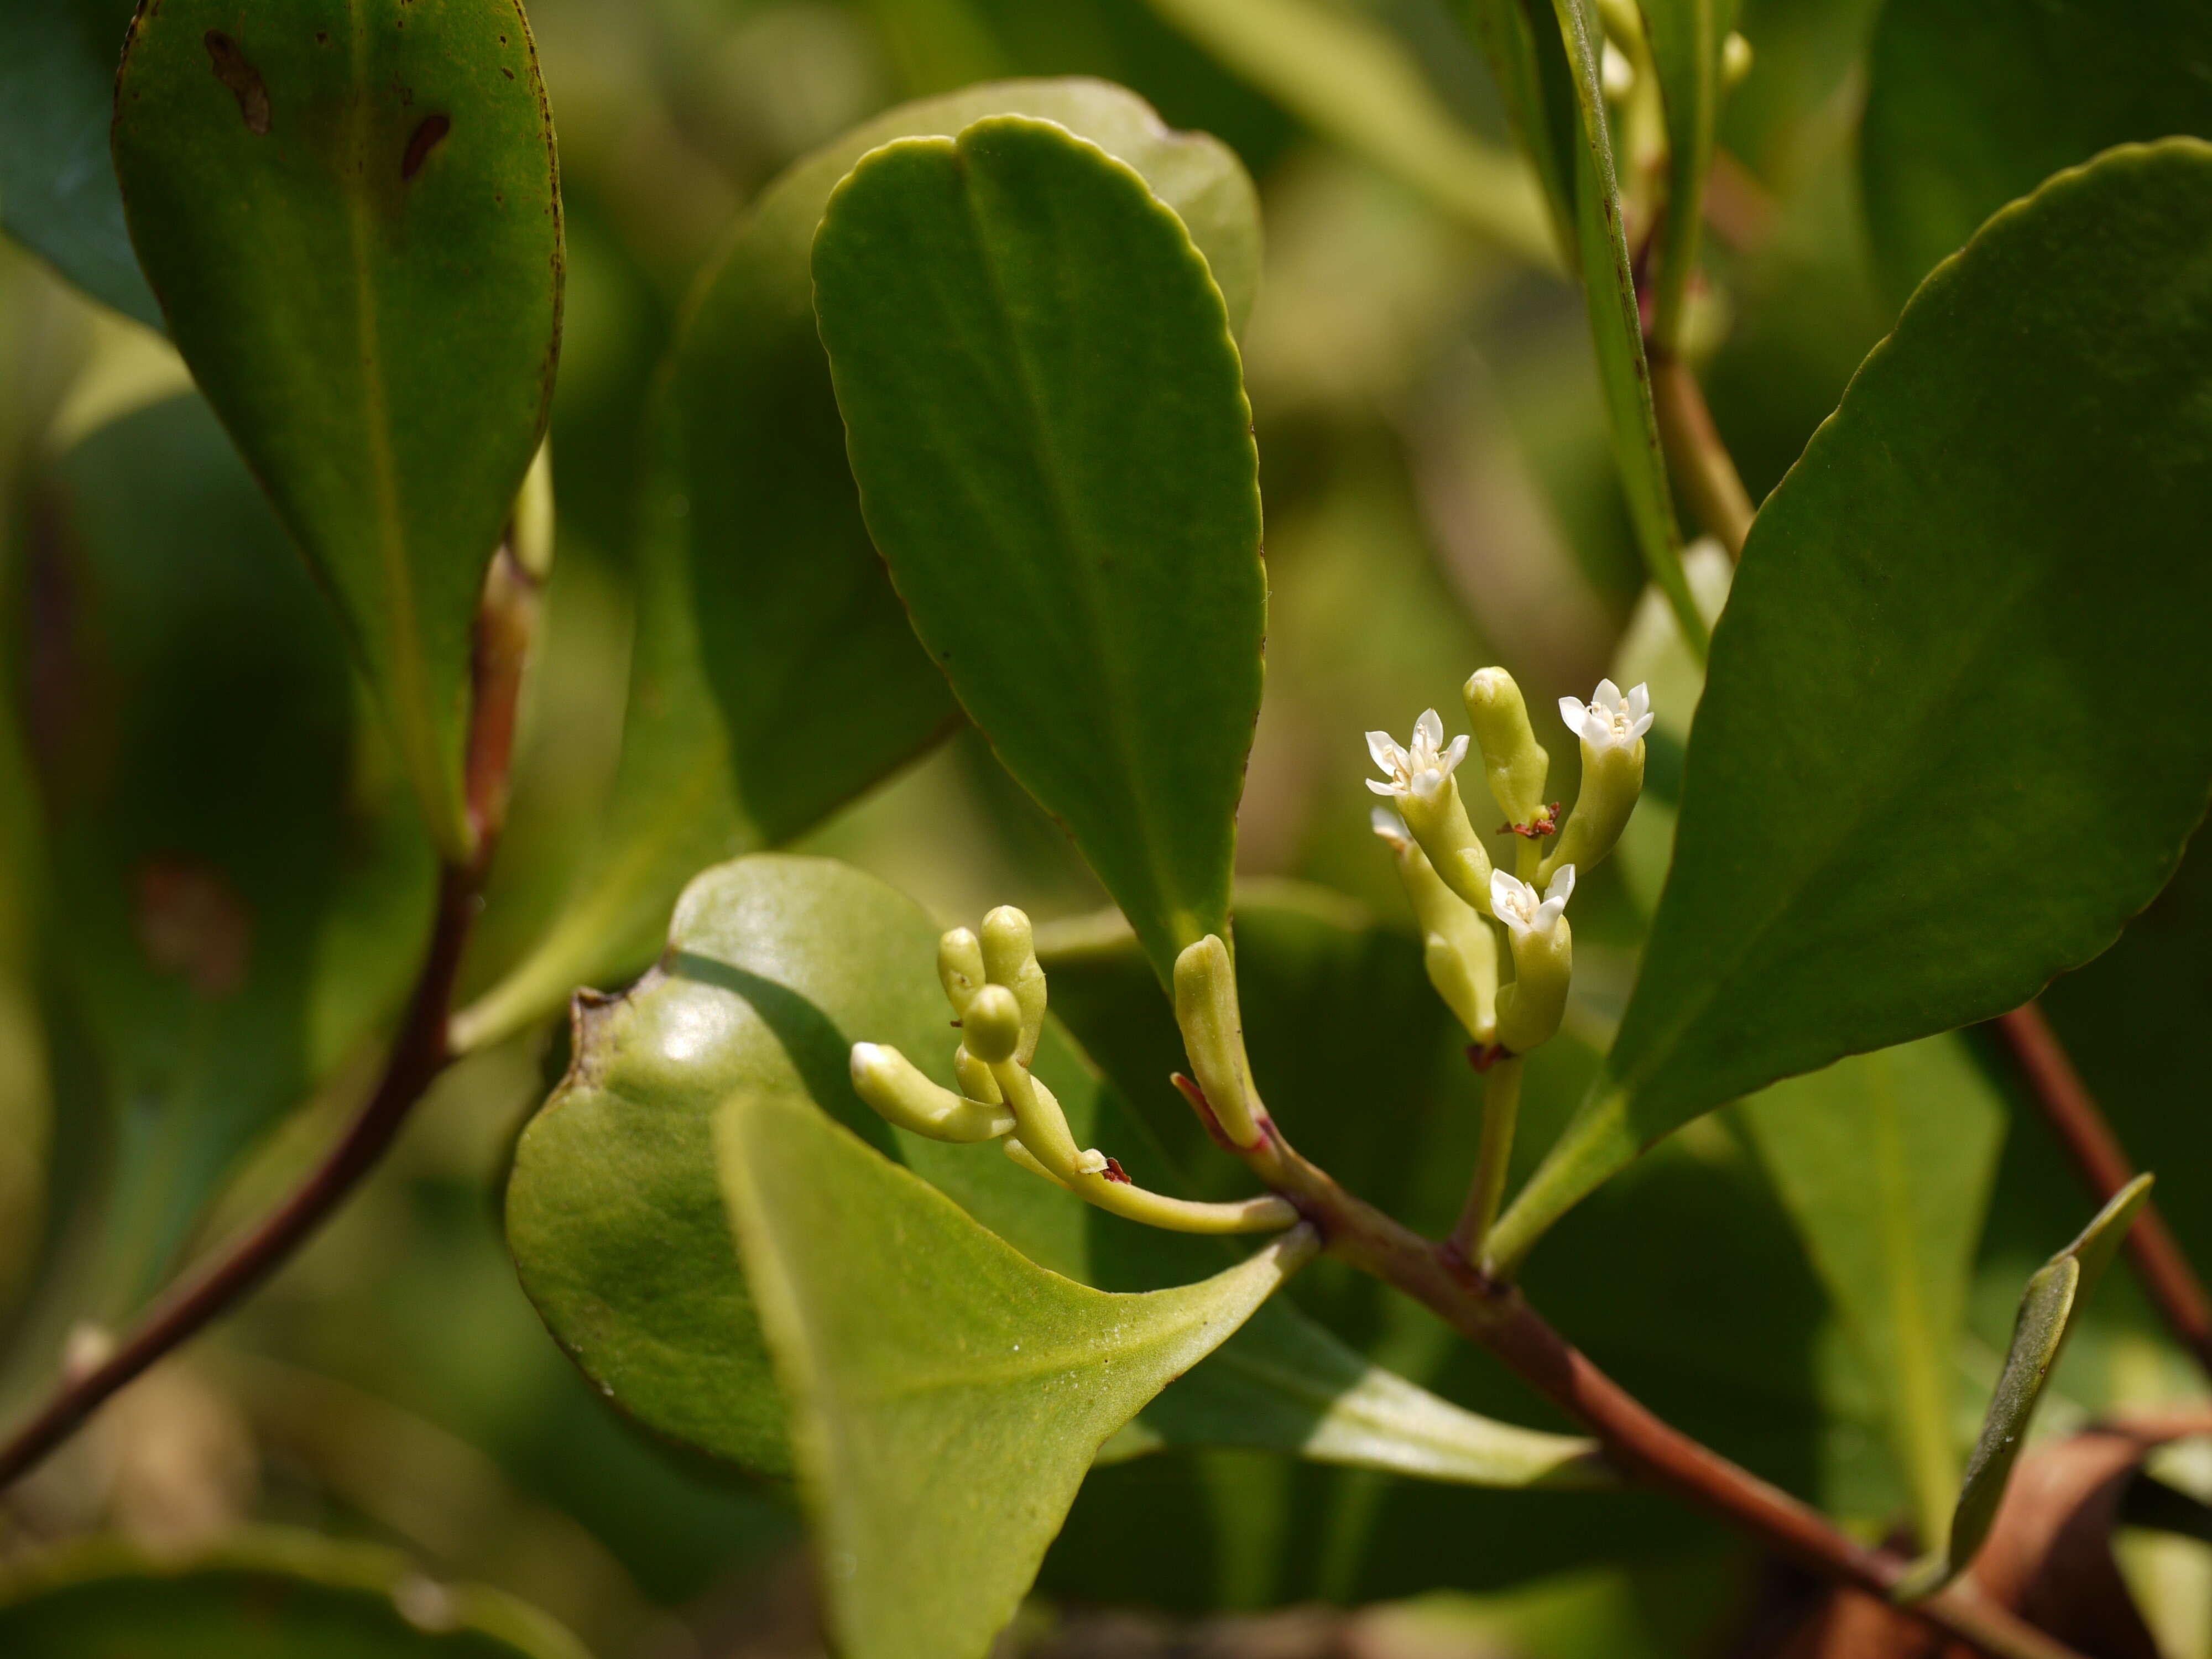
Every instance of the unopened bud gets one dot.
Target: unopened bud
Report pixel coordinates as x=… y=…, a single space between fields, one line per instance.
x=530 y=529
x=991 y=1029
x=1440 y=824
x=975 y=1079
x=1457 y=946
x=1735 y=60
x=1214 y=1035
x=896 y=1090
x=1010 y=959
x=1512 y=759
x=960 y=969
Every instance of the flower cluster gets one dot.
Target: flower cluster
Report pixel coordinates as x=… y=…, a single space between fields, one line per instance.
x=997 y=989
x=1456 y=889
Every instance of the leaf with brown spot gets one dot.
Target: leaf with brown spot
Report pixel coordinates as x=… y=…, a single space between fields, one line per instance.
x=364 y=273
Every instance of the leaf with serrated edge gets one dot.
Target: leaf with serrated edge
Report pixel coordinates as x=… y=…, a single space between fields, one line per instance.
x=776 y=673
x=350 y=212
x=2047 y=1307
x=1045 y=410
x=947 y=1395
x=1939 y=759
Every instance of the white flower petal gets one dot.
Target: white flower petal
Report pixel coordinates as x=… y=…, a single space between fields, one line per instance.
x=1428 y=783
x=1507 y=895
x=1385 y=751
x=1430 y=725
x=1608 y=696
x=1639 y=702
x=1641 y=726
x=1388 y=825
x=1548 y=914
x=1572 y=712
x=1383 y=788
x=1563 y=884
x=1452 y=756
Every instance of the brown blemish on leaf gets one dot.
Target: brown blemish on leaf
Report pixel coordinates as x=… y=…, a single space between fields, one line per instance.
x=192 y=922
x=429 y=133
x=243 y=79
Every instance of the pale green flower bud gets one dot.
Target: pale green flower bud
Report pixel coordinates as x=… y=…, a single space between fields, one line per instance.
x=1611 y=728
x=1457 y=946
x=1735 y=60
x=991 y=1029
x=960 y=967
x=896 y=1090
x=1514 y=761
x=975 y=1079
x=1530 y=1008
x=1010 y=959
x=1213 y=1037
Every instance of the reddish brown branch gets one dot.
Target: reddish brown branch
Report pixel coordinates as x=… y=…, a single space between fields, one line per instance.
x=2074 y=1116
x=1636 y=1442
x=418 y=1053
x=1700 y=462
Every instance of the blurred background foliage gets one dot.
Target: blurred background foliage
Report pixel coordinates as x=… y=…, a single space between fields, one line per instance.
x=1440 y=493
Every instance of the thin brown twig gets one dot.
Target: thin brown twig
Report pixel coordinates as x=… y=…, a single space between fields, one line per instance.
x=1638 y=1443
x=2102 y=1162
x=419 y=1052
x=1699 y=460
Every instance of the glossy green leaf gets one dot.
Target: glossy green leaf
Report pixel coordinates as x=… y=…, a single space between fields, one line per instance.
x=246 y=889
x=947 y=1393
x=1885 y=1162
x=1970 y=103
x=270 y=1595
x=1685 y=38
x=2048 y=1308
x=1616 y=321
x=775 y=966
x=1045 y=412
x=776 y=673
x=1351 y=79
x=351 y=216
x=58 y=190
x=1939 y=760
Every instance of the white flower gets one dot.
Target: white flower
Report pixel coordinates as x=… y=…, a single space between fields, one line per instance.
x=1515 y=903
x=1609 y=720
x=1392 y=827
x=1419 y=768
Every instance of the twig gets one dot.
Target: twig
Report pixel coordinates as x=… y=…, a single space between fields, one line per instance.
x=2103 y=1165
x=1501 y=1109
x=419 y=1052
x=1701 y=463
x=1636 y=1442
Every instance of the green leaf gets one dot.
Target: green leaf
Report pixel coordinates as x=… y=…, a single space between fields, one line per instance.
x=1939 y=760
x=776 y=964
x=775 y=673
x=244 y=888
x=1528 y=65
x=1971 y=103
x=2054 y=1297
x=349 y=211
x=1885 y=1162
x=270 y=1595
x=1352 y=80
x=1685 y=37
x=58 y=190
x=947 y=1393
x=1616 y=321
x=1045 y=413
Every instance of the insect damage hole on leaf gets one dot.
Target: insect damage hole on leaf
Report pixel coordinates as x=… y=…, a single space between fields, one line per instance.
x=243 y=79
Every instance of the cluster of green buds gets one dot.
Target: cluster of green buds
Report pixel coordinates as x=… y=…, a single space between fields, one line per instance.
x=997 y=990
x=1459 y=896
